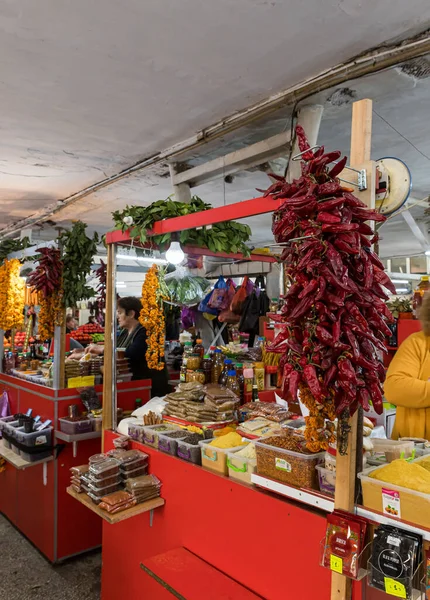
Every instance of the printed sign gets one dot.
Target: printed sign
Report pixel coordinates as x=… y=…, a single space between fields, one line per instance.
x=394 y=588
x=336 y=563
x=76 y=382
x=282 y=465
x=391 y=503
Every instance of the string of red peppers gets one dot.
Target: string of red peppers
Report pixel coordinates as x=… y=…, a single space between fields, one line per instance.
x=334 y=313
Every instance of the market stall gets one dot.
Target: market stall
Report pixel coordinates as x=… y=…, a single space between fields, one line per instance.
x=214 y=478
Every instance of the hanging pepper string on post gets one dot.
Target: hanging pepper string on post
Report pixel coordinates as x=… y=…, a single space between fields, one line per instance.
x=335 y=317
x=152 y=318
x=12 y=295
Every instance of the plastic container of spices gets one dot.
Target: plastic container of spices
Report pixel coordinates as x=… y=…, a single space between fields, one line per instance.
x=106 y=468
x=240 y=467
x=189 y=449
x=327 y=480
x=215 y=459
x=169 y=444
x=292 y=468
x=259 y=374
x=150 y=433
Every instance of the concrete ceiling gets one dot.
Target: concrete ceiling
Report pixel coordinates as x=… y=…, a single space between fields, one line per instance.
x=89 y=88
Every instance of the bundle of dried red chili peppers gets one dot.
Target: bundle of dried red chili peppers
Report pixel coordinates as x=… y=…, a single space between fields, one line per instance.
x=334 y=313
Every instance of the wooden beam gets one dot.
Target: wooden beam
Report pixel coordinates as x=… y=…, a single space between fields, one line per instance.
x=309 y=117
x=245 y=158
x=181 y=190
x=109 y=398
x=361 y=131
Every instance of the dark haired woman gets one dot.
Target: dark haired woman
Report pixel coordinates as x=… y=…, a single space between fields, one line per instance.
x=132 y=337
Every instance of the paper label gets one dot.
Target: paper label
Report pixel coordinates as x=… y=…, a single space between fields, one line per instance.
x=76 y=382
x=394 y=588
x=391 y=503
x=336 y=563
x=41 y=439
x=282 y=465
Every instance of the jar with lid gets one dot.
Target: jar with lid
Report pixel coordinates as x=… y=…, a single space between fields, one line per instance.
x=227 y=366
x=199 y=348
x=248 y=375
x=198 y=376
x=211 y=351
x=193 y=362
x=183 y=373
x=259 y=374
x=232 y=384
x=217 y=365
x=207 y=368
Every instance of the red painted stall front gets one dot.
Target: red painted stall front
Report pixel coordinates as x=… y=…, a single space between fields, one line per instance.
x=265 y=543
x=39 y=506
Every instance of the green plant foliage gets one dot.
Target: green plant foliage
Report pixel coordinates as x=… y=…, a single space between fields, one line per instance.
x=228 y=236
x=7 y=246
x=78 y=252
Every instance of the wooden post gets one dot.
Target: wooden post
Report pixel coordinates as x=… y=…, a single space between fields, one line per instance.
x=361 y=134
x=109 y=373
x=309 y=117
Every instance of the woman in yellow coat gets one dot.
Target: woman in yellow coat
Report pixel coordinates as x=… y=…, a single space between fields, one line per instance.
x=408 y=381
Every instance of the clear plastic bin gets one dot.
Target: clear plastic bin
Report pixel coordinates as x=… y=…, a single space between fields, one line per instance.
x=414 y=506
x=36 y=438
x=292 y=468
x=215 y=459
x=189 y=452
x=327 y=480
x=240 y=467
x=7 y=420
x=135 y=431
x=168 y=444
x=150 y=433
x=34 y=457
x=75 y=427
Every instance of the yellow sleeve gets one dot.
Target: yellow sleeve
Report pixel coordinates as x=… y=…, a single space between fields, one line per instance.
x=403 y=386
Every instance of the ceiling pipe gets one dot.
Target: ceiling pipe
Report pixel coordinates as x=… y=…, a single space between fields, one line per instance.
x=371 y=62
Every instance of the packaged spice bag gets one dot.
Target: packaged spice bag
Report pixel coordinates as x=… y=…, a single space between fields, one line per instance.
x=396 y=555
x=343 y=545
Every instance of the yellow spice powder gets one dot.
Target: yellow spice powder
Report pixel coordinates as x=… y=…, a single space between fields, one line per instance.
x=230 y=440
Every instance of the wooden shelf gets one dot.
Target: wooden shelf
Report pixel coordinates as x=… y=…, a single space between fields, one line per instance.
x=121 y=516
x=78 y=437
x=17 y=461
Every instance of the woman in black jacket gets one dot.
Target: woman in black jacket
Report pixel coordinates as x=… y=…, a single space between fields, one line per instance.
x=132 y=337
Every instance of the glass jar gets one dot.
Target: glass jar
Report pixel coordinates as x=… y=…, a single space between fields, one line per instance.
x=217 y=365
x=193 y=362
x=207 y=368
x=199 y=348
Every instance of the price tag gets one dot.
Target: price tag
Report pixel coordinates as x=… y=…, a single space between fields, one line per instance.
x=394 y=588
x=76 y=382
x=336 y=564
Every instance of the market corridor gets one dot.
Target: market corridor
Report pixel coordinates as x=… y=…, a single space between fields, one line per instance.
x=26 y=575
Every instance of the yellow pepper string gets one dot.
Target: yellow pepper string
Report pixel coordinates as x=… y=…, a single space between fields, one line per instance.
x=12 y=295
x=152 y=318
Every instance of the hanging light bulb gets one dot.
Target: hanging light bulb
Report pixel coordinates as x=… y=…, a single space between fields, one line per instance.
x=175 y=255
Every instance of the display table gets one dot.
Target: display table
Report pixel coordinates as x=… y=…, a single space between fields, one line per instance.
x=33 y=496
x=263 y=542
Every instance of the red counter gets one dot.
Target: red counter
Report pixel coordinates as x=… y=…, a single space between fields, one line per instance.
x=267 y=544
x=56 y=524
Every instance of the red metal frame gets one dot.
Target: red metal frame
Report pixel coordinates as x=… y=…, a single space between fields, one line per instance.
x=239 y=210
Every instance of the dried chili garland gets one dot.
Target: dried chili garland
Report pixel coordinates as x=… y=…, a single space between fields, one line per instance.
x=335 y=318
x=152 y=318
x=46 y=280
x=12 y=295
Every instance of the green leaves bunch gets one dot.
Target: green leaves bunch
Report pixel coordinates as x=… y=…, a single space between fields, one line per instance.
x=228 y=236
x=78 y=252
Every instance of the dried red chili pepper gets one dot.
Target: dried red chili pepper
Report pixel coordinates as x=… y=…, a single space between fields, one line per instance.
x=381 y=277
x=346 y=371
x=295 y=379
x=339 y=227
x=338 y=167
x=364 y=397
x=302 y=308
x=310 y=377
x=327 y=217
x=309 y=289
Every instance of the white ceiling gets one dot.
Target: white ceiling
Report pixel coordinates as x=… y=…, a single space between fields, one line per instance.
x=87 y=88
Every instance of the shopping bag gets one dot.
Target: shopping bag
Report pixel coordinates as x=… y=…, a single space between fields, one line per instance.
x=231 y=291
x=236 y=305
x=219 y=294
x=204 y=306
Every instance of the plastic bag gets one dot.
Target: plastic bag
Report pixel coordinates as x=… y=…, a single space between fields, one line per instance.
x=187 y=317
x=185 y=289
x=227 y=316
x=205 y=308
x=236 y=305
x=219 y=294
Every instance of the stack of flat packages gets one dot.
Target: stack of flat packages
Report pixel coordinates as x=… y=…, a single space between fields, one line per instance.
x=117 y=502
x=194 y=402
x=143 y=488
